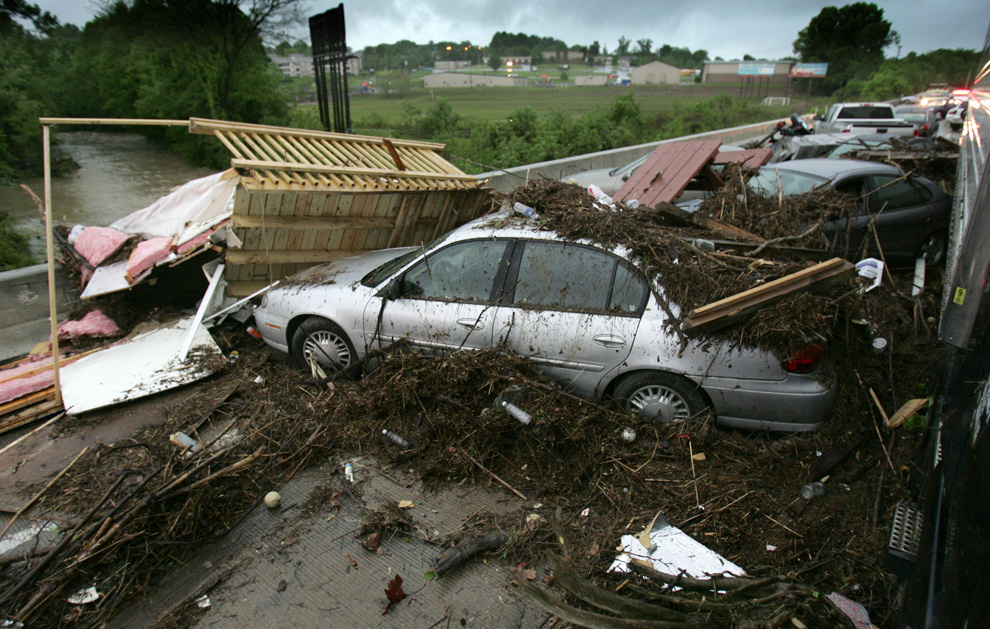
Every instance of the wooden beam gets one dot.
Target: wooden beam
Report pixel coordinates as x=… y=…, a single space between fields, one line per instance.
x=147 y=122
x=348 y=170
x=311 y=222
x=289 y=257
x=243 y=288
x=204 y=126
x=741 y=305
x=27 y=400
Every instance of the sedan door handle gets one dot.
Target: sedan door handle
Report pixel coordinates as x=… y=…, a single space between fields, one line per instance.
x=607 y=340
x=471 y=324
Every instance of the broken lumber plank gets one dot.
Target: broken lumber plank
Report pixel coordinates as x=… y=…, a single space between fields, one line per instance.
x=741 y=305
x=908 y=409
x=27 y=400
x=706 y=222
x=28 y=415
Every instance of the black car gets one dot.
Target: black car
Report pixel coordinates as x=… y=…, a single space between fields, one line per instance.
x=911 y=213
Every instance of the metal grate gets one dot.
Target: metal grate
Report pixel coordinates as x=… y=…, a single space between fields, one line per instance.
x=905 y=537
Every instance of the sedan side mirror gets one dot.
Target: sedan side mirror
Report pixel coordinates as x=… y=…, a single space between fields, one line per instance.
x=819 y=117
x=393 y=291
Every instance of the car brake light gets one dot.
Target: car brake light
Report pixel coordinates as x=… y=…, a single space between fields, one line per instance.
x=804 y=360
x=845 y=131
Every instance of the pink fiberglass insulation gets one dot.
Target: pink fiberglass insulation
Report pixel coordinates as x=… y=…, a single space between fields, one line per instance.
x=147 y=254
x=19 y=387
x=194 y=242
x=95 y=323
x=28 y=364
x=96 y=244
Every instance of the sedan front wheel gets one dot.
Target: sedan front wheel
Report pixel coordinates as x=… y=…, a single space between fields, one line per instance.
x=322 y=341
x=661 y=396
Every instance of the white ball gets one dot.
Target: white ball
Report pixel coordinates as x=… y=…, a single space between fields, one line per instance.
x=629 y=435
x=273 y=500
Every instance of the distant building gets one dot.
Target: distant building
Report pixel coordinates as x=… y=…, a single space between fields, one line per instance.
x=447 y=66
x=656 y=73
x=302 y=65
x=568 y=56
x=732 y=71
x=625 y=62
x=470 y=79
x=355 y=63
x=591 y=79
x=293 y=65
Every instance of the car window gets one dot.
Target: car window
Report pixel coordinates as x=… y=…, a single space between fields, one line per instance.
x=629 y=290
x=566 y=276
x=854 y=188
x=863 y=112
x=790 y=182
x=464 y=271
x=893 y=192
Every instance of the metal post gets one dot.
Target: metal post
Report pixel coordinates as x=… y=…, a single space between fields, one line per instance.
x=50 y=251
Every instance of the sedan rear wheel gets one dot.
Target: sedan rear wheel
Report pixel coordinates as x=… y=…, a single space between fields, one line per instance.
x=323 y=342
x=661 y=396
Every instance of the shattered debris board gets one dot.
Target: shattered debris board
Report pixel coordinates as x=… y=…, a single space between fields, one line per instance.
x=308 y=197
x=146 y=364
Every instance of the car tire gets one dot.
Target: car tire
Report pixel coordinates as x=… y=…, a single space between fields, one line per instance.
x=661 y=396
x=933 y=249
x=325 y=340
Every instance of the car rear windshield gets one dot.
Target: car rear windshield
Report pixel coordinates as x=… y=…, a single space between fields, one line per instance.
x=913 y=117
x=866 y=111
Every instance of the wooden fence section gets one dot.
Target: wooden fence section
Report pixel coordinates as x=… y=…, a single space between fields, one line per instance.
x=307 y=197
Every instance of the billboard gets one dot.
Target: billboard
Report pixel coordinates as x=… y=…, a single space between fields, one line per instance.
x=810 y=70
x=756 y=68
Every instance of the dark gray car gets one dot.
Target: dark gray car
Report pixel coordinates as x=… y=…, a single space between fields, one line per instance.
x=924 y=119
x=911 y=213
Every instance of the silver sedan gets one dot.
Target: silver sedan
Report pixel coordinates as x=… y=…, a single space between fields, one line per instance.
x=587 y=316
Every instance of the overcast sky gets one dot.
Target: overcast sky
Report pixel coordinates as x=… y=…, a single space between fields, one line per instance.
x=730 y=29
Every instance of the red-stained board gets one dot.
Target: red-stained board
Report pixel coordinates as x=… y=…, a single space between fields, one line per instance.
x=667 y=171
x=750 y=158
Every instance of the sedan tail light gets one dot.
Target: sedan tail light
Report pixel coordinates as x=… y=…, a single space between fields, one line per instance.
x=804 y=360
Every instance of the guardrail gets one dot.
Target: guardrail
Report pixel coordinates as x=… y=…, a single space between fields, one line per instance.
x=509 y=178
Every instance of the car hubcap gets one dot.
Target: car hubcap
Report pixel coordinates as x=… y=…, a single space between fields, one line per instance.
x=327 y=349
x=933 y=250
x=660 y=403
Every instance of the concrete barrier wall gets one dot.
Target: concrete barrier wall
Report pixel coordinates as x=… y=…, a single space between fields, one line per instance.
x=24 y=295
x=507 y=180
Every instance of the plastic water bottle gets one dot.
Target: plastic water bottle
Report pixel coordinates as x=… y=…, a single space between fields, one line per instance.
x=396 y=439
x=632 y=204
x=517 y=412
x=349 y=472
x=600 y=195
x=523 y=209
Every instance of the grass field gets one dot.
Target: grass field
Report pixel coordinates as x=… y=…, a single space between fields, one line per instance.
x=496 y=103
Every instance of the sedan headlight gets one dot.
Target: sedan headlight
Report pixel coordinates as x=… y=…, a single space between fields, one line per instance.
x=264 y=301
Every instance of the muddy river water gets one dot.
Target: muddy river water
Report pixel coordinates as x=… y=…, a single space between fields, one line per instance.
x=119 y=173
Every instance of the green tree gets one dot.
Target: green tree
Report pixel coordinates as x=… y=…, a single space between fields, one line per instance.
x=494 y=62
x=850 y=39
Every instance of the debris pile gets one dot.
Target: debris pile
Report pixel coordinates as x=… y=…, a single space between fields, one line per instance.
x=693 y=274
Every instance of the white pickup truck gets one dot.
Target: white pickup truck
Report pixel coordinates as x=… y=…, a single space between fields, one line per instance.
x=862 y=118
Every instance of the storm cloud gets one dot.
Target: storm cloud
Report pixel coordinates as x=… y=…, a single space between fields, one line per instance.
x=765 y=29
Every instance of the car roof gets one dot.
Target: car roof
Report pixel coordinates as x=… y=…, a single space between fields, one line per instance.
x=834 y=168
x=504 y=224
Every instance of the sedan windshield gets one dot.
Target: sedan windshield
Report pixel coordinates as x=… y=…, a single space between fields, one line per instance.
x=383 y=272
x=770 y=181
